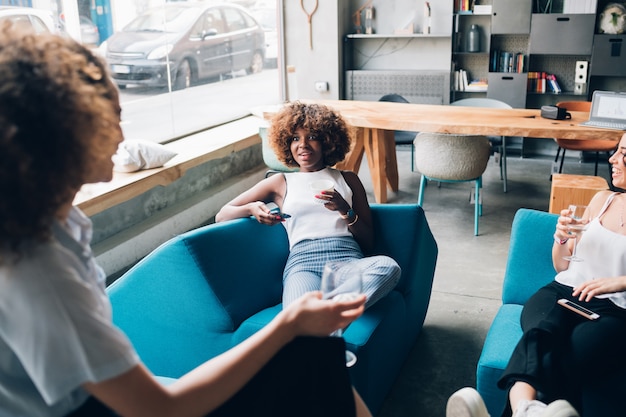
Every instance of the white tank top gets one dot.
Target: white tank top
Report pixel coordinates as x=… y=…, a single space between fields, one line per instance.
x=604 y=255
x=309 y=218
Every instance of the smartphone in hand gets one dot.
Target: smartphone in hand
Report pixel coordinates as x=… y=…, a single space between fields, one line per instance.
x=274 y=209
x=585 y=312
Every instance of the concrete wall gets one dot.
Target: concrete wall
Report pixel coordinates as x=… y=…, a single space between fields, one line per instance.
x=129 y=231
x=324 y=61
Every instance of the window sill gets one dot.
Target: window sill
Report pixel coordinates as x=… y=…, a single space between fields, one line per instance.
x=192 y=151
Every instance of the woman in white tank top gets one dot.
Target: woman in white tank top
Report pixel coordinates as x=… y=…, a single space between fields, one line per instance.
x=334 y=224
x=562 y=354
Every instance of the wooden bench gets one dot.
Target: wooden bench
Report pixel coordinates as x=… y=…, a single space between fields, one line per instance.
x=574 y=189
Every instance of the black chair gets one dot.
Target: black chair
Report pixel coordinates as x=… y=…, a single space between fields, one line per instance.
x=402 y=137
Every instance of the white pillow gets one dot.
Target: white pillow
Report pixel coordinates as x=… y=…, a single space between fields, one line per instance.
x=133 y=155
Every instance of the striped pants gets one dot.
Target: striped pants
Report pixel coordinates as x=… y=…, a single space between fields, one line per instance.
x=303 y=272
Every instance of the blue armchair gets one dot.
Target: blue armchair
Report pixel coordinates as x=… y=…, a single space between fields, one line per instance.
x=529 y=267
x=206 y=290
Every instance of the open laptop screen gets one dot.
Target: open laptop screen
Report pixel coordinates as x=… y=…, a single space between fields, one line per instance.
x=608 y=106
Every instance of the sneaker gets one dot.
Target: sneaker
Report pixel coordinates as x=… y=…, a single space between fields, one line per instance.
x=533 y=408
x=560 y=408
x=466 y=402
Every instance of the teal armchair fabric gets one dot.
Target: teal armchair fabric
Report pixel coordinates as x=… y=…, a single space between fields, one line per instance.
x=204 y=291
x=529 y=267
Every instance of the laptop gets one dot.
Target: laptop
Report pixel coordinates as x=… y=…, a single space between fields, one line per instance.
x=608 y=110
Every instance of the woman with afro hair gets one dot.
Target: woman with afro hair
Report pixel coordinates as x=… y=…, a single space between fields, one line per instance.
x=333 y=225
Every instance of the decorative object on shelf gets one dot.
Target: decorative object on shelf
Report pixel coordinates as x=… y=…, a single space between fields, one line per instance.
x=309 y=17
x=580 y=82
x=612 y=20
x=369 y=17
x=427 y=20
x=356 y=17
x=473 y=39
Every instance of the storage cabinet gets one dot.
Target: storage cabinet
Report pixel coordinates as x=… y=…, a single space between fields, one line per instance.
x=609 y=55
x=559 y=34
x=508 y=87
x=511 y=17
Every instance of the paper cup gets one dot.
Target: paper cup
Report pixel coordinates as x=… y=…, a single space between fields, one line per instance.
x=321 y=185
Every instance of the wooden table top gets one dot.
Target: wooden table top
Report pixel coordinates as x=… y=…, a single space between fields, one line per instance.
x=463 y=120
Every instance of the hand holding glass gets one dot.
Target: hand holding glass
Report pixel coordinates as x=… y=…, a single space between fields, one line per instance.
x=319 y=186
x=576 y=227
x=342 y=281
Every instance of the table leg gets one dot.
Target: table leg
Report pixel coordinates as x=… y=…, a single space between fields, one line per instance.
x=391 y=166
x=382 y=162
x=352 y=161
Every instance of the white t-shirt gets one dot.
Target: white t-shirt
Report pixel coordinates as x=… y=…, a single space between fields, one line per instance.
x=56 y=331
x=309 y=218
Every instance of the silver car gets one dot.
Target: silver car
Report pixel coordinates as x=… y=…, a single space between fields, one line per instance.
x=36 y=19
x=188 y=42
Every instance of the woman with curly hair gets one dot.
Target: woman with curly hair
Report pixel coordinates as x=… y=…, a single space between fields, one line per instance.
x=60 y=354
x=314 y=138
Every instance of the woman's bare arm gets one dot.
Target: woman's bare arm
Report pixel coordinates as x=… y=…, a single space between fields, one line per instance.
x=136 y=393
x=252 y=202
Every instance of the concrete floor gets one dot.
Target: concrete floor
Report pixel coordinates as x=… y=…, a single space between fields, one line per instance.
x=468 y=277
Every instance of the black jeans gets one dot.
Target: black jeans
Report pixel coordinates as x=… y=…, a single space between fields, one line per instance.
x=562 y=354
x=308 y=377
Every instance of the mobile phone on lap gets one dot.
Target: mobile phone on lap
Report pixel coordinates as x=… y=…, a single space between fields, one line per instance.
x=585 y=312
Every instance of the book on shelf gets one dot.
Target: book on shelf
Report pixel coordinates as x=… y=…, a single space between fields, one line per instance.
x=462 y=82
x=505 y=61
x=553 y=84
x=464 y=6
x=542 y=82
x=579 y=6
x=477 y=85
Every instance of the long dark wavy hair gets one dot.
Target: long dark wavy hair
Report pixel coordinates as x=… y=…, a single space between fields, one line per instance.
x=330 y=128
x=57 y=103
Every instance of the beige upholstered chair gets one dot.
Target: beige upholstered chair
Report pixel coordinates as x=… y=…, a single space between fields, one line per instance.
x=498 y=142
x=452 y=158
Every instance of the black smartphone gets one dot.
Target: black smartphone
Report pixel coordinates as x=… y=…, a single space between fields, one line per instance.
x=276 y=210
x=585 y=312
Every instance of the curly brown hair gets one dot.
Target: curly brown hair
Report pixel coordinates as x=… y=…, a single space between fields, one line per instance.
x=330 y=128
x=57 y=105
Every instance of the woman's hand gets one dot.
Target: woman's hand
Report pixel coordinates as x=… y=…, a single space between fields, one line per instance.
x=262 y=214
x=587 y=290
x=563 y=225
x=334 y=201
x=311 y=316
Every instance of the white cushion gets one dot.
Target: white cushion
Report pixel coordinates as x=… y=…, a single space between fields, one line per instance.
x=133 y=155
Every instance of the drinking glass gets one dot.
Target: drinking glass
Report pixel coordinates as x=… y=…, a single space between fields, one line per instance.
x=342 y=281
x=321 y=185
x=576 y=227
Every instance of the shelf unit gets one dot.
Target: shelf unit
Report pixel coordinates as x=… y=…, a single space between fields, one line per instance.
x=415 y=65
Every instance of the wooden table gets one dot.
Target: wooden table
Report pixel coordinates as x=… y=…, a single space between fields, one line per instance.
x=375 y=122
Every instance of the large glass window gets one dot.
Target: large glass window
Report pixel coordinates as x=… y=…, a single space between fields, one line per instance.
x=181 y=66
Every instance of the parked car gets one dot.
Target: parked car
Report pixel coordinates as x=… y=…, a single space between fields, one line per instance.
x=89 y=34
x=266 y=16
x=190 y=40
x=37 y=19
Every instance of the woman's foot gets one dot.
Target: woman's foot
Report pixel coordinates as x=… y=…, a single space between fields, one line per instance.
x=534 y=408
x=466 y=402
